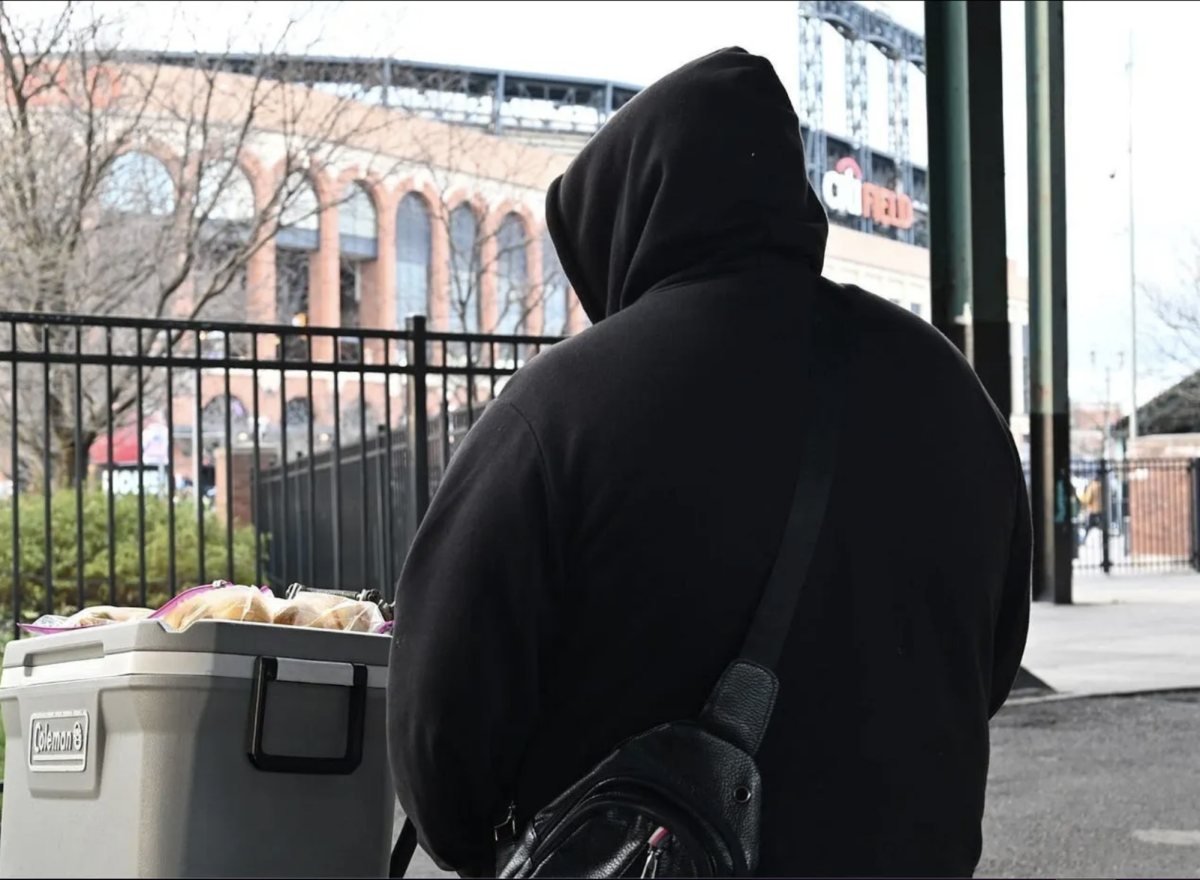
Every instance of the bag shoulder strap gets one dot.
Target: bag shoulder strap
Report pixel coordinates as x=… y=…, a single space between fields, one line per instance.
x=741 y=704
x=404 y=849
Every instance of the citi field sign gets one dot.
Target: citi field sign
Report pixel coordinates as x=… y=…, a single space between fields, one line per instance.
x=844 y=190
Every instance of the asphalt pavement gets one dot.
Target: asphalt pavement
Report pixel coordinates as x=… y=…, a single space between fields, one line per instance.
x=1088 y=787
x=1095 y=787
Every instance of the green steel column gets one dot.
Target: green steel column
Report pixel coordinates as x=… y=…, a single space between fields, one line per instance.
x=991 y=342
x=1050 y=451
x=948 y=100
x=968 y=252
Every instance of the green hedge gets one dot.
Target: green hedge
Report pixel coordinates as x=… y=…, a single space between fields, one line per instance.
x=65 y=555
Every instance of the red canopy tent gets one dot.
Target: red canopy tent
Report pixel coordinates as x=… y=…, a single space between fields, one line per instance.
x=125 y=443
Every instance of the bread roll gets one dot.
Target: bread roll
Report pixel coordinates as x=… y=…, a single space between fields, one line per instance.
x=325 y=611
x=307 y=609
x=275 y=604
x=246 y=604
x=101 y=614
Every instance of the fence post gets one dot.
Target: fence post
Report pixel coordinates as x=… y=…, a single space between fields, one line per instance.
x=1194 y=512
x=418 y=419
x=1105 y=516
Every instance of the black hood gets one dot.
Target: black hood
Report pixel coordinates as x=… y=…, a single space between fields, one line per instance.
x=703 y=173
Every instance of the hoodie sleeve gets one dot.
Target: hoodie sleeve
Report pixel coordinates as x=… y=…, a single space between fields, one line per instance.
x=471 y=613
x=1012 y=622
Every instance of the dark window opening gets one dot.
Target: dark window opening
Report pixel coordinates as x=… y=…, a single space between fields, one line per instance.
x=350 y=294
x=291 y=298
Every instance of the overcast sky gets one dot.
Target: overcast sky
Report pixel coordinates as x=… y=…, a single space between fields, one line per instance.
x=636 y=42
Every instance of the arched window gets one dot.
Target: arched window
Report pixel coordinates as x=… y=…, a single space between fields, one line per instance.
x=512 y=275
x=299 y=234
x=297 y=414
x=224 y=208
x=464 y=270
x=414 y=244
x=358 y=225
x=138 y=183
x=212 y=417
x=358 y=244
x=225 y=195
x=555 y=291
x=299 y=215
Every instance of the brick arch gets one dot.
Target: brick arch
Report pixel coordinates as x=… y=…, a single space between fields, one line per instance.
x=431 y=197
x=532 y=318
x=485 y=283
x=512 y=206
x=372 y=183
x=326 y=183
x=159 y=150
x=261 y=178
x=529 y=225
x=342 y=188
x=214 y=157
x=277 y=176
x=476 y=202
x=315 y=176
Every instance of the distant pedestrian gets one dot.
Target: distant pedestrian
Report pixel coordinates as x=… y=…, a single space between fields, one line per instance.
x=1092 y=502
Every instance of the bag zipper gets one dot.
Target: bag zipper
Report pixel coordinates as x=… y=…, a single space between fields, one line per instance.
x=506 y=831
x=655 y=849
x=602 y=798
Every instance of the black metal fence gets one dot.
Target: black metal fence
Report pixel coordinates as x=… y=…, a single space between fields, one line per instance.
x=1136 y=514
x=147 y=456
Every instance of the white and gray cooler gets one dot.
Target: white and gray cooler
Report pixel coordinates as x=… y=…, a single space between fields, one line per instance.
x=229 y=749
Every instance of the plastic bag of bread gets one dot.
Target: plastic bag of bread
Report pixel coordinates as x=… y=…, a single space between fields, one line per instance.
x=102 y=614
x=97 y=615
x=275 y=604
x=326 y=611
x=218 y=601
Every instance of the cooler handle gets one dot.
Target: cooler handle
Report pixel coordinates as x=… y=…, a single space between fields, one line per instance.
x=266 y=670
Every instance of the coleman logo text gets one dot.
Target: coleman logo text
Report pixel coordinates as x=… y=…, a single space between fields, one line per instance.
x=58 y=742
x=844 y=190
x=48 y=740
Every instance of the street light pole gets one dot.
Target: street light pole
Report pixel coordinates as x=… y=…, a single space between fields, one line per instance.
x=1133 y=408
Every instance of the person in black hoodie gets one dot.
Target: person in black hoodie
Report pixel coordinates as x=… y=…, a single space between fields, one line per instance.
x=593 y=556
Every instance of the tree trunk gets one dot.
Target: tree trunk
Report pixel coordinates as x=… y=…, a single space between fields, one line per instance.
x=70 y=462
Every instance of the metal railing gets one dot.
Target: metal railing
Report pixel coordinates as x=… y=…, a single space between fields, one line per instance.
x=147 y=456
x=1136 y=514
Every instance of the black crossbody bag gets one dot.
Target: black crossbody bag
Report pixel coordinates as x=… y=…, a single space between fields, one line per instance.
x=684 y=799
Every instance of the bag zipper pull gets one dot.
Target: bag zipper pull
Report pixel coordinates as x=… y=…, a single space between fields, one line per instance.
x=655 y=846
x=506 y=830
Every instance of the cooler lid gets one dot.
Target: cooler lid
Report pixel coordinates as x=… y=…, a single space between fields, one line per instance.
x=206 y=638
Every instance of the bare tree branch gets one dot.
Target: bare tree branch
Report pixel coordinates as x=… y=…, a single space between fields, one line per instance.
x=483 y=245
x=123 y=192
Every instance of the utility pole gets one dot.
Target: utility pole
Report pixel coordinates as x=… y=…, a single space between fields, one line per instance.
x=968 y=260
x=1133 y=373
x=1106 y=451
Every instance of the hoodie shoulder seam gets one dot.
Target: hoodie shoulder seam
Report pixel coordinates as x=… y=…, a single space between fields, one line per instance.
x=547 y=486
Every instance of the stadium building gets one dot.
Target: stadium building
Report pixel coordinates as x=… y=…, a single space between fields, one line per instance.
x=365 y=249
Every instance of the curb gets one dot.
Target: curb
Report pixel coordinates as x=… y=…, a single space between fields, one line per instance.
x=1090 y=695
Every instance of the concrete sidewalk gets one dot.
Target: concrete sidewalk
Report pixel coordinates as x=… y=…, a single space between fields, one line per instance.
x=1124 y=633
